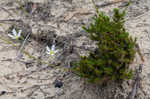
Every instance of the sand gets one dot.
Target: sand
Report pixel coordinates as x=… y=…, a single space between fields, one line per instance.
x=27 y=78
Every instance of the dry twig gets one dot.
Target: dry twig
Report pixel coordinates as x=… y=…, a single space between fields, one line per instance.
x=138 y=78
x=110 y=3
x=136 y=83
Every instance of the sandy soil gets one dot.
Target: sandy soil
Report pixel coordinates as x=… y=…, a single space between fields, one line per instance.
x=27 y=78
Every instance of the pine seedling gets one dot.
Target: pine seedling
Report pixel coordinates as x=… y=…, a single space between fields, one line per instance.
x=115 y=50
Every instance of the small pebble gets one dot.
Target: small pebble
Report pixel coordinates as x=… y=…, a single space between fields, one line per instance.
x=58 y=84
x=3 y=92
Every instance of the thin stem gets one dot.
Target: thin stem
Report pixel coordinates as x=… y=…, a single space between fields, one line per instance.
x=19 y=52
x=19 y=2
x=97 y=11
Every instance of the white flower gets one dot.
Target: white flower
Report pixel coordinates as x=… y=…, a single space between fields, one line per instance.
x=51 y=51
x=15 y=35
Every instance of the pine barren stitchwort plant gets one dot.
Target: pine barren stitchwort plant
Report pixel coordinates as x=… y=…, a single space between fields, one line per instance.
x=51 y=51
x=115 y=50
x=15 y=35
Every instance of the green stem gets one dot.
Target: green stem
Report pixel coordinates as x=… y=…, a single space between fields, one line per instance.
x=97 y=11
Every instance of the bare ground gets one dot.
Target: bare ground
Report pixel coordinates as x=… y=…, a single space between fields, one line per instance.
x=46 y=19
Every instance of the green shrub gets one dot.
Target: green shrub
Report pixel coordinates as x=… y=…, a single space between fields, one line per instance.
x=115 y=50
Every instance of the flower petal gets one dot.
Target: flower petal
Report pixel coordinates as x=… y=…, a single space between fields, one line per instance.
x=55 y=51
x=14 y=32
x=11 y=36
x=47 y=48
x=19 y=33
x=53 y=48
x=47 y=52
